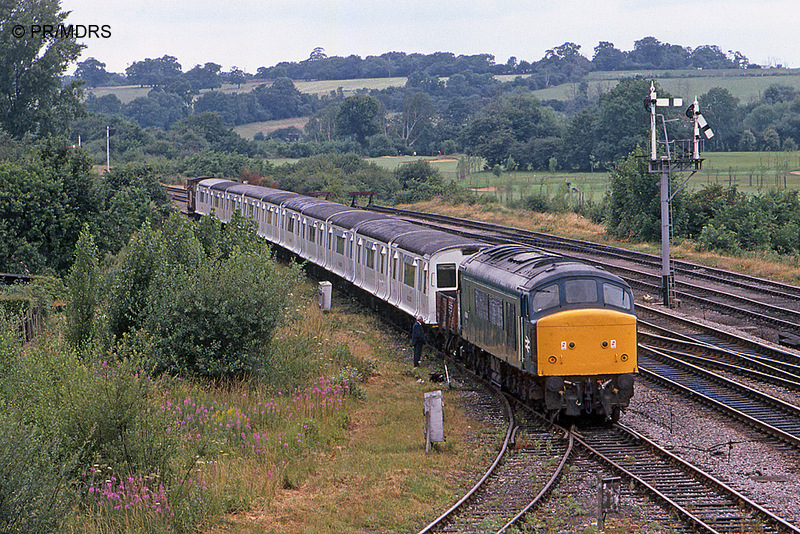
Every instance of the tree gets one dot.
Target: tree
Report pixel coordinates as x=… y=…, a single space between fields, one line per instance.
x=317 y=54
x=153 y=71
x=93 y=72
x=417 y=116
x=634 y=201
x=357 y=117
x=419 y=181
x=205 y=77
x=159 y=109
x=606 y=57
x=32 y=97
x=82 y=287
x=623 y=122
x=237 y=76
x=721 y=109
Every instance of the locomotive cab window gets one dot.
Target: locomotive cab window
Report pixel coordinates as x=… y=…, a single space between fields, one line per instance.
x=614 y=295
x=545 y=298
x=446 y=275
x=580 y=291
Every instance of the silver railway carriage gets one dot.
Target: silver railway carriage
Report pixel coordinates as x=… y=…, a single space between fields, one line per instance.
x=400 y=263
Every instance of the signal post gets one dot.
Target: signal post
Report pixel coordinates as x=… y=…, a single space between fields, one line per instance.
x=677 y=156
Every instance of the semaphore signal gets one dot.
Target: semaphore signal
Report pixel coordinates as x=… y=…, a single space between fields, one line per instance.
x=667 y=164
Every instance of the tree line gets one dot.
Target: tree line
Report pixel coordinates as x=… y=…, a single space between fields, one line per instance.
x=557 y=62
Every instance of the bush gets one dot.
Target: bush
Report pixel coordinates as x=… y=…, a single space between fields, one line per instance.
x=537 y=203
x=216 y=321
x=720 y=239
x=35 y=492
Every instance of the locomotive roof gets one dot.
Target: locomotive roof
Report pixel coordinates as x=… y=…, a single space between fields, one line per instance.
x=523 y=267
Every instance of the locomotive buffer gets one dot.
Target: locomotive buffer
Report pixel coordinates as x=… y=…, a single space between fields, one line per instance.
x=677 y=156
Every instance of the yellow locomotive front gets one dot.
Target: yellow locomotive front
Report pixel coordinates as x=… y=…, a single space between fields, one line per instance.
x=558 y=332
x=585 y=350
x=586 y=342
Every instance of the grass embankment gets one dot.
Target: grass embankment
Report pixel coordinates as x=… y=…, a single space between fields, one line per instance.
x=765 y=265
x=372 y=473
x=329 y=441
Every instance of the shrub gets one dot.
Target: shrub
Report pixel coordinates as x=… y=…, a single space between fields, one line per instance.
x=538 y=203
x=720 y=239
x=35 y=492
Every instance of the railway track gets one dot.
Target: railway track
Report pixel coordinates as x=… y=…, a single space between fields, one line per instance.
x=764 y=412
x=544 y=240
x=521 y=476
x=478 y=509
x=702 y=502
x=782 y=315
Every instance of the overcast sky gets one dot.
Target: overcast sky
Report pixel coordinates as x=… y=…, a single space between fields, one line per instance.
x=251 y=34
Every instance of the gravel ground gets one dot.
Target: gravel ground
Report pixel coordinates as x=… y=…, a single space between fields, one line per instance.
x=761 y=468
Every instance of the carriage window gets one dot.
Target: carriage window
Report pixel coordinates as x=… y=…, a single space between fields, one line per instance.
x=545 y=298
x=312 y=234
x=579 y=291
x=446 y=275
x=290 y=224
x=482 y=305
x=340 y=244
x=370 y=258
x=409 y=273
x=615 y=295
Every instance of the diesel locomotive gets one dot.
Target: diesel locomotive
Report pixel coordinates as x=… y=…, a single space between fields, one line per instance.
x=554 y=331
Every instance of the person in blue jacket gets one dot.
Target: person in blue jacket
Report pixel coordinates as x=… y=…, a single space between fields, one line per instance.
x=418 y=340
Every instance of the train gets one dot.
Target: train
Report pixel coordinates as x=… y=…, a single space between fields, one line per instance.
x=554 y=331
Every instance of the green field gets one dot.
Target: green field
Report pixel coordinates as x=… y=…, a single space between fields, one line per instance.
x=750 y=172
x=746 y=85
x=125 y=93
x=251 y=128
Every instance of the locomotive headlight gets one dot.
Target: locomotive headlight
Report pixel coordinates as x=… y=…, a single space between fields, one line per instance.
x=624 y=357
x=552 y=359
